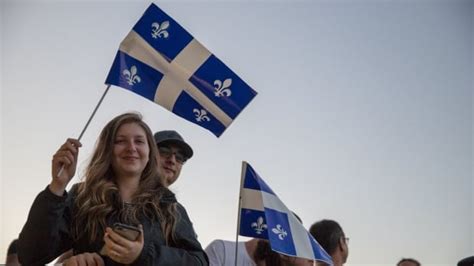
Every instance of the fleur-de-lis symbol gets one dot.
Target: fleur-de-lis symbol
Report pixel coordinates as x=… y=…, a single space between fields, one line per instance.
x=201 y=115
x=131 y=75
x=279 y=231
x=259 y=226
x=222 y=89
x=160 y=30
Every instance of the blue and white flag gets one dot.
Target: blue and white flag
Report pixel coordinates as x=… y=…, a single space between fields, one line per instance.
x=162 y=62
x=263 y=215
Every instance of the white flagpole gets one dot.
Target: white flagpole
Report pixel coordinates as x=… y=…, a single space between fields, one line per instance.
x=88 y=121
x=244 y=164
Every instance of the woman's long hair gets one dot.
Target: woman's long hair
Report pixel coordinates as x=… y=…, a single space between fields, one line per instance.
x=98 y=196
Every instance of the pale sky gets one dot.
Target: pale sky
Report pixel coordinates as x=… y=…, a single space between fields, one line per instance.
x=363 y=113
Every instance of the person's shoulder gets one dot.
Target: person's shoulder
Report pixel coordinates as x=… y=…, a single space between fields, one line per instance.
x=216 y=242
x=217 y=246
x=167 y=196
x=76 y=186
x=221 y=244
x=74 y=190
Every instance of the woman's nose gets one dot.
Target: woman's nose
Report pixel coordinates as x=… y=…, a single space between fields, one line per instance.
x=131 y=146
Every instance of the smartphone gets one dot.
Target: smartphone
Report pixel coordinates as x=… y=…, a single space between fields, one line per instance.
x=128 y=231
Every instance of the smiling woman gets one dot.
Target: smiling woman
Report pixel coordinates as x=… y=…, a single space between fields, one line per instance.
x=121 y=185
x=130 y=153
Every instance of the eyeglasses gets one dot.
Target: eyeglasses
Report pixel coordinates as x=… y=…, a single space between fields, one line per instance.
x=167 y=152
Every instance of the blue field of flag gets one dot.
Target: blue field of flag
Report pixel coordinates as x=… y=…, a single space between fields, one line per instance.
x=253 y=181
x=253 y=223
x=162 y=32
x=191 y=110
x=232 y=98
x=135 y=76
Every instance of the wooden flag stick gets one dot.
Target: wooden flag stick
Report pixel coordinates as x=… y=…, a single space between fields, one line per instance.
x=238 y=212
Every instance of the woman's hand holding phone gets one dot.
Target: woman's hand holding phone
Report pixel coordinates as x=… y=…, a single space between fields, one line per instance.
x=121 y=249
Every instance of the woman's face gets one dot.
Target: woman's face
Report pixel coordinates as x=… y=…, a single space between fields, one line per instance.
x=130 y=151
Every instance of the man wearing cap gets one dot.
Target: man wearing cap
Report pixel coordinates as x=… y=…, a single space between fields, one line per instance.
x=173 y=152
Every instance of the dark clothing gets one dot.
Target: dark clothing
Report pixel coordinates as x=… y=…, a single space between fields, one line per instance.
x=469 y=261
x=47 y=234
x=12 y=248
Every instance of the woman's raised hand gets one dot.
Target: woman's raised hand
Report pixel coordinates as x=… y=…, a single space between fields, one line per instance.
x=64 y=165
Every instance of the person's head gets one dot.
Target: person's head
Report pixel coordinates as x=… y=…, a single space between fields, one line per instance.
x=173 y=152
x=331 y=237
x=469 y=261
x=265 y=254
x=294 y=261
x=12 y=254
x=125 y=149
x=408 y=262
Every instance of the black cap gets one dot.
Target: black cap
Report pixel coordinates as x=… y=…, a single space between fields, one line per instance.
x=469 y=261
x=172 y=137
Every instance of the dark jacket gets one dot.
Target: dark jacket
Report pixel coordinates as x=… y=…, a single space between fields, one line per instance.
x=47 y=234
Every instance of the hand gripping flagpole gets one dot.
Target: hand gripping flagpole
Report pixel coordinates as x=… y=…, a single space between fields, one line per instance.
x=88 y=122
x=238 y=213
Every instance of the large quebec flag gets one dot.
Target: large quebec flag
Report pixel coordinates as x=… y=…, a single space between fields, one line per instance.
x=263 y=215
x=162 y=62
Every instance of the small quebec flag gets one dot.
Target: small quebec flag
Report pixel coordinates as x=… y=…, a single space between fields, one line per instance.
x=263 y=215
x=162 y=62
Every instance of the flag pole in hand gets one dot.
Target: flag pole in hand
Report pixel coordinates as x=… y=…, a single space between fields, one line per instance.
x=88 y=122
x=238 y=213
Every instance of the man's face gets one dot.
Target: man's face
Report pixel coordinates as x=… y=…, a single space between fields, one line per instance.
x=170 y=160
x=345 y=248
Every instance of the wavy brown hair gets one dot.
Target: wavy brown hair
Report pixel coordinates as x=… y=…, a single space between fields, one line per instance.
x=98 y=196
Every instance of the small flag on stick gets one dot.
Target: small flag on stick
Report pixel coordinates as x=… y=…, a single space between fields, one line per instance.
x=263 y=215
